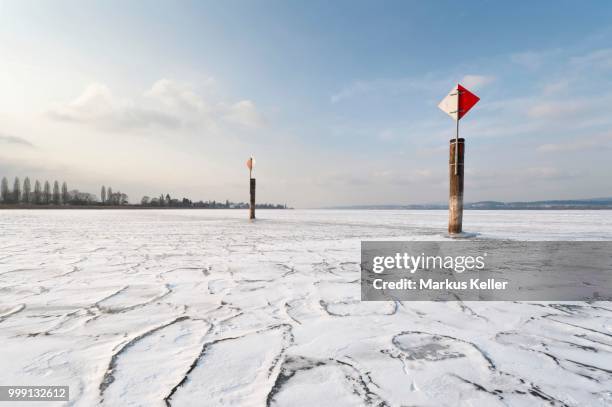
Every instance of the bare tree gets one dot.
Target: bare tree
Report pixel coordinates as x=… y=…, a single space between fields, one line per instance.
x=16 y=190
x=103 y=195
x=37 y=193
x=4 y=191
x=27 y=191
x=145 y=201
x=65 y=195
x=47 y=193
x=109 y=196
x=56 y=193
x=82 y=198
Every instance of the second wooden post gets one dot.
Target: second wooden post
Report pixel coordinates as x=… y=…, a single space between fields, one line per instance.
x=252 y=204
x=455 y=172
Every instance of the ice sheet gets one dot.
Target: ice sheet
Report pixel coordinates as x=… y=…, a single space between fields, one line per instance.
x=204 y=308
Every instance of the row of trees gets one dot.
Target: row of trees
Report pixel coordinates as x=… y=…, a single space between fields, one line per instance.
x=41 y=194
x=44 y=194
x=168 y=201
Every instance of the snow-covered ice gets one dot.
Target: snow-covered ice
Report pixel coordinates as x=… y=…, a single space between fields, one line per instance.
x=203 y=308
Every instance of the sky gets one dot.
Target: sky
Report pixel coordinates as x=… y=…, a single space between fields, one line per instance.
x=337 y=101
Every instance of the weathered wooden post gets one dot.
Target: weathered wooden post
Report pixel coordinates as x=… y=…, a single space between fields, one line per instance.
x=252 y=205
x=250 y=165
x=455 y=197
x=456 y=104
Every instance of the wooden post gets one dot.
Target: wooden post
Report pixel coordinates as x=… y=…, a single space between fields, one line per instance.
x=252 y=204
x=455 y=198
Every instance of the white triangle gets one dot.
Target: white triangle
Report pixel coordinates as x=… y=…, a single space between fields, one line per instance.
x=450 y=104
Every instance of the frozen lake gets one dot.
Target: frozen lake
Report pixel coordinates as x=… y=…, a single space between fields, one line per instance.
x=203 y=308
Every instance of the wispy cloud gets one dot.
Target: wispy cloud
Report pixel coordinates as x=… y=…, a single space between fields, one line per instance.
x=557 y=109
x=167 y=105
x=244 y=113
x=177 y=95
x=533 y=179
x=534 y=60
x=590 y=143
x=601 y=58
x=476 y=82
x=556 y=87
x=409 y=85
x=393 y=86
x=98 y=107
x=546 y=173
x=15 y=140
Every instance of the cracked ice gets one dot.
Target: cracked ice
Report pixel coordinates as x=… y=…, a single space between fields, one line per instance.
x=188 y=307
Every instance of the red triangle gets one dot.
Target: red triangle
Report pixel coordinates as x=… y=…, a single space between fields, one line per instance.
x=467 y=100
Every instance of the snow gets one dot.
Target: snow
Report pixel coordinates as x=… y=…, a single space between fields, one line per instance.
x=204 y=308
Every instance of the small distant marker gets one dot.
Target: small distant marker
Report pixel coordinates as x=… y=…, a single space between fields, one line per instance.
x=250 y=164
x=457 y=104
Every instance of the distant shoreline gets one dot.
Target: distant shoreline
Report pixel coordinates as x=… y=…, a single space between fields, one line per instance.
x=136 y=207
x=559 y=204
x=114 y=207
x=581 y=208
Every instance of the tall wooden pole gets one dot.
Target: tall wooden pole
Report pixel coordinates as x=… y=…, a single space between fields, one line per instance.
x=455 y=171
x=252 y=203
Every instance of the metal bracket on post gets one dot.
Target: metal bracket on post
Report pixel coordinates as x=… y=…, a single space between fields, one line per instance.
x=457 y=145
x=457 y=141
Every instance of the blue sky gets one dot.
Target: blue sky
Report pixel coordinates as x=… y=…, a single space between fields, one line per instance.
x=336 y=100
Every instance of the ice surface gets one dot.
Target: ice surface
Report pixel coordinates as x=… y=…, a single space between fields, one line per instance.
x=203 y=308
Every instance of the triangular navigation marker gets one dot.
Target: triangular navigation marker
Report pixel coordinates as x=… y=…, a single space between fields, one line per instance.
x=458 y=102
x=467 y=100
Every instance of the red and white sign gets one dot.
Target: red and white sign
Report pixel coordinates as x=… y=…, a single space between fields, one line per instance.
x=250 y=163
x=458 y=102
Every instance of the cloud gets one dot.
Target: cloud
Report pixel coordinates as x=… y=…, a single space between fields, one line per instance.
x=409 y=85
x=407 y=177
x=556 y=87
x=548 y=173
x=33 y=166
x=394 y=86
x=388 y=177
x=352 y=90
x=177 y=95
x=553 y=109
x=477 y=81
x=593 y=143
x=601 y=58
x=15 y=140
x=343 y=179
x=528 y=59
x=167 y=104
x=244 y=113
x=533 y=178
x=559 y=147
x=97 y=106
x=534 y=60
